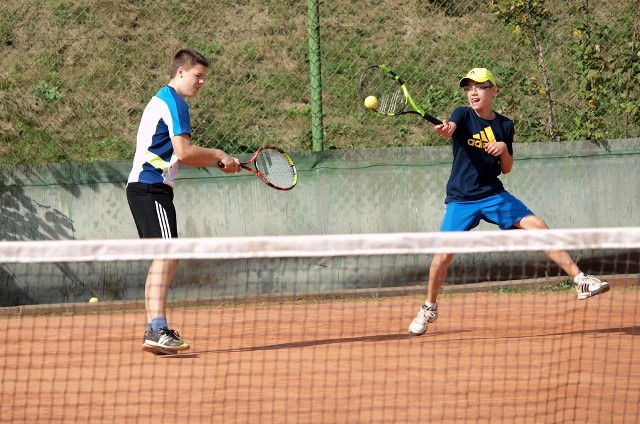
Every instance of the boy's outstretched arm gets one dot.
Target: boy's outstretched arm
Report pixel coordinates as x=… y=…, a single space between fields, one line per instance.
x=194 y=155
x=446 y=129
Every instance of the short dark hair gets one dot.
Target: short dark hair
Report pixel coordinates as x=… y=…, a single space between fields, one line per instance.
x=187 y=59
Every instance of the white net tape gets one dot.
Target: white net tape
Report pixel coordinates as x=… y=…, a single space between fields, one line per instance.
x=319 y=245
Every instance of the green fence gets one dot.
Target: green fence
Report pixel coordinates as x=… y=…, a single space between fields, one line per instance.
x=76 y=75
x=357 y=191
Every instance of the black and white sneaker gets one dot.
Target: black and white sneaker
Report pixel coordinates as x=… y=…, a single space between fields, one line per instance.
x=425 y=316
x=159 y=351
x=591 y=286
x=164 y=340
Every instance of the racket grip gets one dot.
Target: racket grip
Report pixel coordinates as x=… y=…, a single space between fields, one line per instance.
x=220 y=164
x=432 y=119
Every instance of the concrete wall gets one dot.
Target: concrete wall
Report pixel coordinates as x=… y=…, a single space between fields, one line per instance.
x=570 y=185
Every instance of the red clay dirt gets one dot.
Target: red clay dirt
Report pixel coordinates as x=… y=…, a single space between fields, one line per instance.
x=534 y=358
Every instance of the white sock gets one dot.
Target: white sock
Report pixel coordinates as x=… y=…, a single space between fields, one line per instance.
x=579 y=278
x=432 y=306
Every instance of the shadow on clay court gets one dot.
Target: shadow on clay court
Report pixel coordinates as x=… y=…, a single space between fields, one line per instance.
x=631 y=331
x=309 y=343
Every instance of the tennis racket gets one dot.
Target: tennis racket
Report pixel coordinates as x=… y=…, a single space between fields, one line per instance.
x=392 y=94
x=273 y=166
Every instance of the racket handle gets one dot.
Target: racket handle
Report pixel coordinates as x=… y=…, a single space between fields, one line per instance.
x=220 y=164
x=433 y=120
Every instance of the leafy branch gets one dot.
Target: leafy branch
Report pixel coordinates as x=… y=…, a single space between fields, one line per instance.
x=527 y=18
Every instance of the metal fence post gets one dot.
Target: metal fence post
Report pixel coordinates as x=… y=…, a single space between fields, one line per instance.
x=315 y=72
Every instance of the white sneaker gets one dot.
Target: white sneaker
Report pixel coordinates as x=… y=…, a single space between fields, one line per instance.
x=591 y=286
x=419 y=324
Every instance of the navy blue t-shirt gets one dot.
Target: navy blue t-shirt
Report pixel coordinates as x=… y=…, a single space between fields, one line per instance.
x=474 y=172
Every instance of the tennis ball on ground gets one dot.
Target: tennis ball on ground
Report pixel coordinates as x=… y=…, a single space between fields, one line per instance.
x=93 y=300
x=371 y=102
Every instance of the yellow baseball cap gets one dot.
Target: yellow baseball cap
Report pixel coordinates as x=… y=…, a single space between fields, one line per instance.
x=478 y=75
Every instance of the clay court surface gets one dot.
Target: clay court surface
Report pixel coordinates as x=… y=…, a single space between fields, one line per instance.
x=538 y=358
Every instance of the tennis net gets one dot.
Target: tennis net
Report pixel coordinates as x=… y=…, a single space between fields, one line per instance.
x=314 y=329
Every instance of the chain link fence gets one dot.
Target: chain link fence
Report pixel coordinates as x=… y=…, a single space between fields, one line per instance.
x=76 y=75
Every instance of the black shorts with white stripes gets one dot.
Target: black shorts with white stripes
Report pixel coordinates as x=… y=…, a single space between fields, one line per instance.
x=153 y=210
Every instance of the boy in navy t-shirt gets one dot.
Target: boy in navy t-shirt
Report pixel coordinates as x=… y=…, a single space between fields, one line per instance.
x=482 y=142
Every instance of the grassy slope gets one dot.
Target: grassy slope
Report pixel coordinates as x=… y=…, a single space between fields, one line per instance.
x=76 y=75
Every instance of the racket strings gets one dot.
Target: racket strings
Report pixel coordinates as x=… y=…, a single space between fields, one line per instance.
x=376 y=82
x=393 y=102
x=276 y=168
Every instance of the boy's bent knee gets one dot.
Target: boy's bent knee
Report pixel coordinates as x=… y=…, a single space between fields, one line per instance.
x=532 y=222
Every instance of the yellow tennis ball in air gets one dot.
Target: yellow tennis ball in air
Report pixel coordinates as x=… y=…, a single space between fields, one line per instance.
x=93 y=300
x=371 y=102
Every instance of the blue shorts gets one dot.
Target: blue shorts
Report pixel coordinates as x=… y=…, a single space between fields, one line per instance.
x=502 y=209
